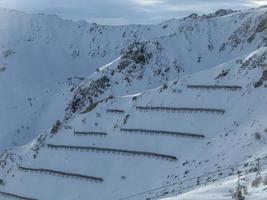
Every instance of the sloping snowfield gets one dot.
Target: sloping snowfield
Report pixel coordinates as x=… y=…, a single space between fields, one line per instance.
x=130 y=162
x=43 y=58
x=129 y=131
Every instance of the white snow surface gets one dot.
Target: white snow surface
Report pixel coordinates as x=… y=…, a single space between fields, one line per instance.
x=150 y=66
x=223 y=190
x=44 y=57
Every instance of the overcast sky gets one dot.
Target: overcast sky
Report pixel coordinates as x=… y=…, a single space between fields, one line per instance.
x=126 y=11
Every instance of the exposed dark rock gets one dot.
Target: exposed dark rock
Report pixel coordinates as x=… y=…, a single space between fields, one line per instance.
x=7 y=53
x=222 y=74
x=86 y=96
x=192 y=16
x=262 y=25
x=2 y=68
x=56 y=127
x=90 y=108
x=262 y=79
x=136 y=53
x=219 y=13
x=254 y=61
x=165 y=26
x=264 y=75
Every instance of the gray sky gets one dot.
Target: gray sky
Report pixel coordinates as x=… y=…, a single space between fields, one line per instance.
x=126 y=11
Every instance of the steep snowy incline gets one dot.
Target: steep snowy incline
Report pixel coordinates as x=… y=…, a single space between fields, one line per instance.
x=39 y=54
x=44 y=58
x=55 y=50
x=130 y=144
x=194 y=47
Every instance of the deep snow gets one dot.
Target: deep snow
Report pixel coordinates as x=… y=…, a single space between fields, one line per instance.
x=156 y=70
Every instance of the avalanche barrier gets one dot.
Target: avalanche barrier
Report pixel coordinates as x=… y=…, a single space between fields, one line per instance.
x=83 y=133
x=115 y=111
x=215 y=87
x=14 y=196
x=159 y=132
x=180 y=109
x=61 y=174
x=114 y=151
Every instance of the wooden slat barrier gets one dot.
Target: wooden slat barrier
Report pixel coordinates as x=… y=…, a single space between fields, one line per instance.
x=215 y=87
x=159 y=132
x=83 y=133
x=115 y=111
x=180 y=109
x=62 y=174
x=14 y=196
x=109 y=150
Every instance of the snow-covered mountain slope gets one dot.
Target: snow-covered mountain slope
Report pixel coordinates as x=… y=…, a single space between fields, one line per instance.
x=44 y=58
x=195 y=46
x=39 y=54
x=124 y=145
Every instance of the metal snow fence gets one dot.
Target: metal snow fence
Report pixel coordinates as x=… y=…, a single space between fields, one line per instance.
x=180 y=109
x=160 y=132
x=117 y=111
x=14 y=196
x=215 y=87
x=62 y=174
x=112 y=151
x=83 y=133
